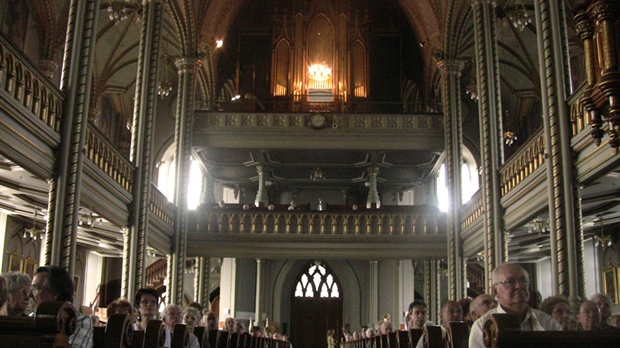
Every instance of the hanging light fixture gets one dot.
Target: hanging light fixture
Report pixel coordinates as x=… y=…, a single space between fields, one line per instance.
x=33 y=232
x=164 y=87
x=472 y=89
x=119 y=11
x=518 y=16
x=317 y=174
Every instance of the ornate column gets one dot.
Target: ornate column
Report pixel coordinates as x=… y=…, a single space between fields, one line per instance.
x=204 y=272
x=451 y=90
x=373 y=291
x=145 y=109
x=428 y=283
x=183 y=139
x=257 y=304
x=373 y=195
x=489 y=112
x=550 y=30
x=261 y=196
x=63 y=214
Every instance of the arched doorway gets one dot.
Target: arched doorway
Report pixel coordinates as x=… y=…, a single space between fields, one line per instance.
x=316 y=306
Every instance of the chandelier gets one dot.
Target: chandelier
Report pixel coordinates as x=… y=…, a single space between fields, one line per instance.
x=472 y=89
x=164 y=87
x=317 y=174
x=518 y=16
x=539 y=225
x=319 y=72
x=33 y=232
x=119 y=11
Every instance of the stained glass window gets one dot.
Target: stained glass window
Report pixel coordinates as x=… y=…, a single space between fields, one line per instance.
x=317 y=281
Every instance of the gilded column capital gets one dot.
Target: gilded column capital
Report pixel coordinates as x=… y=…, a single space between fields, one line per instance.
x=187 y=64
x=604 y=9
x=454 y=66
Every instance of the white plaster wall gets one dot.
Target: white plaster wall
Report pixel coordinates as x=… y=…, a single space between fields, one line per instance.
x=227 y=288
x=544 y=278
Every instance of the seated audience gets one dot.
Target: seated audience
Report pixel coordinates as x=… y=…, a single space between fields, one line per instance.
x=589 y=316
x=370 y=333
x=120 y=306
x=191 y=317
x=465 y=303
x=417 y=315
x=255 y=331
x=559 y=308
x=615 y=320
x=18 y=286
x=386 y=327
x=604 y=305
x=511 y=288
x=480 y=305
x=240 y=328
x=209 y=320
x=450 y=311
x=146 y=301
x=173 y=315
x=196 y=305
x=4 y=291
x=52 y=283
x=331 y=340
x=229 y=325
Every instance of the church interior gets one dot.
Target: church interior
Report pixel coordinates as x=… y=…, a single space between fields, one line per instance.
x=311 y=163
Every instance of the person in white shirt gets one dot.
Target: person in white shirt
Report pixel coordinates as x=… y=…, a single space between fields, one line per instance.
x=511 y=289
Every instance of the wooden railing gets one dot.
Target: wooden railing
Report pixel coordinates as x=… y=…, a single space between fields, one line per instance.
x=108 y=158
x=418 y=220
x=161 y=207
x=156 y=272
x=472 y=210
x=579 y=119
x=22 y=82
x=525 y=161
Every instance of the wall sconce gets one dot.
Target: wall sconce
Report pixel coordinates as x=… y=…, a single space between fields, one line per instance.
x=538 y=225
x=509 y=138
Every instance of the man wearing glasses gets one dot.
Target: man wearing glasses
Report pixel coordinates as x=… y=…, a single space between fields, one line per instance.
x=511 y=289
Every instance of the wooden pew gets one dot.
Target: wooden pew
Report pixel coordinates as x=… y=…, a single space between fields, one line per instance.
x=457 y=335
x=199 y=331
x=504 y=331
x=51 y=327
x=180 y=336
x=155 y=334
x=116 y=334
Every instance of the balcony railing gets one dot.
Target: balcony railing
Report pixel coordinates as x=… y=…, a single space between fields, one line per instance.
x=305 y=103
x=525 y=161
x=21 y=82
x=415 y=220
x=108 y=158
x=472 y=210
x=161 y=207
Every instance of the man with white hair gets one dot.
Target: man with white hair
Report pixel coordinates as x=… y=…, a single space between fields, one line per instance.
x=604 y=305
x=511 y=289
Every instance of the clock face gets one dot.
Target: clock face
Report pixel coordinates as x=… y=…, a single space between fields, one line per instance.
x=317 y=120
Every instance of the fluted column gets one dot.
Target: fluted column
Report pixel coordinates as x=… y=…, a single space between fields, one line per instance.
x=262 y=198
x=259 y=277
x=145 y=109
x=453 y=128
x=489 y=113
x=551 y=25
x=183 y=139
x=373 y=291
x=63 y=214
x=373 y=199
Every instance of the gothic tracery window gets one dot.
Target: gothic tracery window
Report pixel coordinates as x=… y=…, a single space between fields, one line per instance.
x=317 y=282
